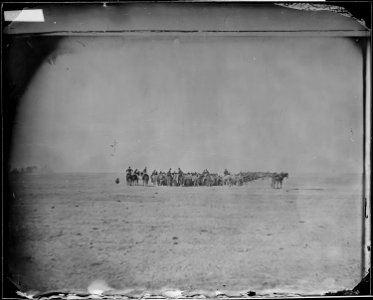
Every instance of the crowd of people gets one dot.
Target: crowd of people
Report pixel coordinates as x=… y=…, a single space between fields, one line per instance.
x=206 y=178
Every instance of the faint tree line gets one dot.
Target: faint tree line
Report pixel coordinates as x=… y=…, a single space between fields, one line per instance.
x=29 y=170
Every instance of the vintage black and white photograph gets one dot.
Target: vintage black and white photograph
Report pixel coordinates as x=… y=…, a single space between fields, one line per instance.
x=186 y=150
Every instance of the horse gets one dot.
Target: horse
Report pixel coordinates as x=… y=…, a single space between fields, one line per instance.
x=135 y=179
x=162 y=179
x=218 y=180
x=177 y=179
x=200 y=179
x=187 y=180
x=195 y=179
x=129 y=179
x=276 y=182
x=229 y=180
x=169 y=179
x=145 y=179
x=208 y=180
x=239 y=179
x=153 y=178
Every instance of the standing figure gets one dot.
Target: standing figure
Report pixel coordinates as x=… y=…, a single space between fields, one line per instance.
x=180 y=176
x=169 y=177
x=129 y=176
x=153 y=177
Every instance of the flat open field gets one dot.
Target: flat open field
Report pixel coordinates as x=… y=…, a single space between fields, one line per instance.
x=71 y=229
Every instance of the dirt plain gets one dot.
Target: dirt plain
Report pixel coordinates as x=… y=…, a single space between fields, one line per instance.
x=71 y=229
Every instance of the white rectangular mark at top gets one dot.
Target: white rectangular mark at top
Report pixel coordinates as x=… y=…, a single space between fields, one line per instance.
x=25 y=15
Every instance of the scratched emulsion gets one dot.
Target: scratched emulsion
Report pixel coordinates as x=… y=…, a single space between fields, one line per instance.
x=247 y=104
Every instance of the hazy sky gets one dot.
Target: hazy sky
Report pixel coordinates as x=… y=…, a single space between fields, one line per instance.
x=259 y=104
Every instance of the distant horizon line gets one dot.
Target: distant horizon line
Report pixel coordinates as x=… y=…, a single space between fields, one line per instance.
x=123 y=172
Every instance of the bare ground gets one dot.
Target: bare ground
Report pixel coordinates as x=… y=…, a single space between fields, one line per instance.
x=72 y=229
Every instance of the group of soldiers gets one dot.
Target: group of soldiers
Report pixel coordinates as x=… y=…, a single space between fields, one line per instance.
x=180 y=178
x=133 y=177
x=136 y=172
